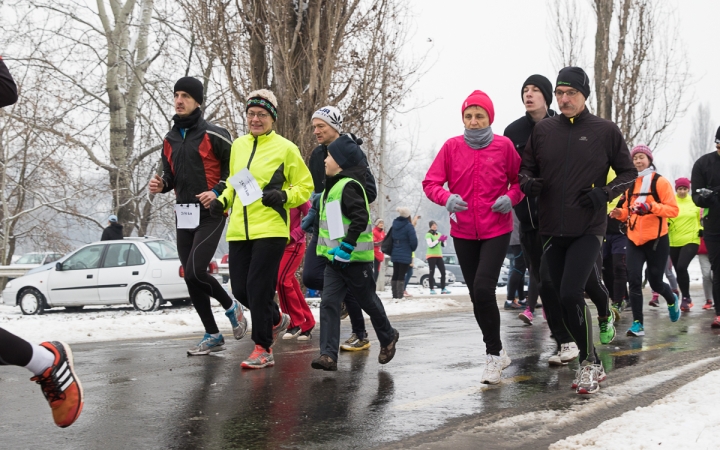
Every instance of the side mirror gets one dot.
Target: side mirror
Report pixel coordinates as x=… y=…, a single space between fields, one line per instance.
x=58 y=266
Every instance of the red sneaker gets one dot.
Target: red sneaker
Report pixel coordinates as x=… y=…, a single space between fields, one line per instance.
x=708 y=304
x=686 y=304
x=716 y=323
x=60 y=385
x=258 y=359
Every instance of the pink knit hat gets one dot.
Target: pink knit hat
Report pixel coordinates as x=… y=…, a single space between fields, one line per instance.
x=682 y=182
x=481 y=99
x=642 y=148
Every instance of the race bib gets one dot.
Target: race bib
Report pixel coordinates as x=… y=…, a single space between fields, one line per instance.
x=188 y=216
x=246 y=187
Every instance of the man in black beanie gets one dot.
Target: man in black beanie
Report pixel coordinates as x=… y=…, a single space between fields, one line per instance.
x=196 y=163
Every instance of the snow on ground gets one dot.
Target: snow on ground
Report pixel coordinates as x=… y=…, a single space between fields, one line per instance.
x=109 y=323
x=686 y=419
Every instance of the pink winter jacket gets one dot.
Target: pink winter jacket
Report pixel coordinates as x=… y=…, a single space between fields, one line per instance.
x=479 y=177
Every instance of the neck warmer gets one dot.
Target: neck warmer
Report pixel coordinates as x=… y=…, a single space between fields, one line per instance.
x=647 y=176
x=478 y=139
x=433 y=232
x=188 y=121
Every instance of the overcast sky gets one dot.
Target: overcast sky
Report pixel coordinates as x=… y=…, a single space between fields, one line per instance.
x=495 y=45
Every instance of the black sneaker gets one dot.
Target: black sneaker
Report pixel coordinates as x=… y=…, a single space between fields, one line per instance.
x=387 y=353
x=305 y=335
x=291 y=333
x=324 y=362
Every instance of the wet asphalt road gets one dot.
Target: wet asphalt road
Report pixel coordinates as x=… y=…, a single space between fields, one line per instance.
x=148 y=394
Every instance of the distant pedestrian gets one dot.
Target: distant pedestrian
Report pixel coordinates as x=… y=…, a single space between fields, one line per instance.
x=404 y=244
x=113 y=231
x=434 y=256
x=378 y=237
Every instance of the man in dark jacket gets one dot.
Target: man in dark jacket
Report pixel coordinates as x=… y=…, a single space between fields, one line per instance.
x=405 y=242
x=565 y=164
x=196 y=163
x=706 y=194
x=8 y=89
x=114 y=230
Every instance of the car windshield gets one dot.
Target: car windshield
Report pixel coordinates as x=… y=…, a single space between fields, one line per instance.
x=30 y=258
x=163 y=249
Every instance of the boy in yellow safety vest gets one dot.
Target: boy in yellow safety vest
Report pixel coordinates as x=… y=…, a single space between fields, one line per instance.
x=345 y=239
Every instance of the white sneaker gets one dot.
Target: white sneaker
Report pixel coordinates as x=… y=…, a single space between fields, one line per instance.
x=568 y=351
x=588 y=378
x=494 y=367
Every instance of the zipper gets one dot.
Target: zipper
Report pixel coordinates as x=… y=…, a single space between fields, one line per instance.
x=245 y=214
x=530 y=213
x=562 y=208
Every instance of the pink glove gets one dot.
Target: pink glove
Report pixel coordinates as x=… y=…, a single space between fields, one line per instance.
x=442 y=238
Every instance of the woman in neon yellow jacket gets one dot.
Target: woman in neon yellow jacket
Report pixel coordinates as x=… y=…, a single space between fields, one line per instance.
x=268 y=177
x=684 y=232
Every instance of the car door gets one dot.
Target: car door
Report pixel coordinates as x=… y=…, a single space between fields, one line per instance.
x=76 y=283
x=122 y=266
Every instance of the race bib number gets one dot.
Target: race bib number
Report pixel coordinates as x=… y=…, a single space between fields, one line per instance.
x=188 y=216
x=246 y=187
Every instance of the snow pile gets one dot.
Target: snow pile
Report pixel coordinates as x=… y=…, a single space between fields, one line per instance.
x=104 y=323
x=687 y=418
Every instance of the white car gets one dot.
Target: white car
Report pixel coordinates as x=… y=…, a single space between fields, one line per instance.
x=36 y=259
x=144 y=272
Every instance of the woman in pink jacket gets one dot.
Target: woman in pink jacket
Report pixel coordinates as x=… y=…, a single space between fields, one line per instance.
x=481 y=171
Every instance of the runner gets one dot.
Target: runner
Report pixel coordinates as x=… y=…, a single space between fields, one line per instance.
x=195 y=160
x=327 y=127
x=290 y=295
x=405 y=243
x=258 y=231
x=481 y=171
x=50 y=362
x=435 y=242
x=684 y=234
x=646 y=208
x=704 y=188
x=350 y=255
x=378 y=236
x=565 y=164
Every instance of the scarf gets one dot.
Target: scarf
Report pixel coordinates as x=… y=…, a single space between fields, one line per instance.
x=188 y=121
x=478 y=139
x=647 y=176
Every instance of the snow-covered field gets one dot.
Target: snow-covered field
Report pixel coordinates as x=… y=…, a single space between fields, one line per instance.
x=116 y=323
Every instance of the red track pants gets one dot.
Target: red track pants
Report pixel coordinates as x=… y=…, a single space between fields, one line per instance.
x=292 y=300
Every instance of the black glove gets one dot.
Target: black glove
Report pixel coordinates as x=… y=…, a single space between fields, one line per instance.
x=217 y=209
x=273 y=198
x=700 y=233
x=595 y=198
x=533 y=187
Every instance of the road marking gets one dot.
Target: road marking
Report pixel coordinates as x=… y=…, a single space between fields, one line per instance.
x=646 y=348
x=419 y=404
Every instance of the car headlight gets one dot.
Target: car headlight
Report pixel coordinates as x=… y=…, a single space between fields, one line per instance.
x=8 y=285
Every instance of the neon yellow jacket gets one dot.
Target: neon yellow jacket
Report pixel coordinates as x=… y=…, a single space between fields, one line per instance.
x=276 y=163
x=684 y=229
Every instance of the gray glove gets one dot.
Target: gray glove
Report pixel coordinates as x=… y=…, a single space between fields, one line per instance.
x=455 y=203
x=704 y=192
x=502 y=205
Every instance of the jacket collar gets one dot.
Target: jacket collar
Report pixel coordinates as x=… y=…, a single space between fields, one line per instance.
x=577 y=119
x=550 y=113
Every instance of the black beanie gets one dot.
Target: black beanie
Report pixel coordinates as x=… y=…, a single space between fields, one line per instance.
x=346 y=152
x=717 y=136
x=541 y=83
x=192 y=86
x=575 y=78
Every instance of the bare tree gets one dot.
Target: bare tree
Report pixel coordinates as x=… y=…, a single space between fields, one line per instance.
x=701 y=140
x=566 y=15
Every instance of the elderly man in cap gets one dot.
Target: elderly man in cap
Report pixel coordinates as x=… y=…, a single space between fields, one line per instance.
x=565 y=164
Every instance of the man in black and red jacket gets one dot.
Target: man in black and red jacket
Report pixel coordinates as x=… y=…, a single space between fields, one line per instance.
x=196 y=163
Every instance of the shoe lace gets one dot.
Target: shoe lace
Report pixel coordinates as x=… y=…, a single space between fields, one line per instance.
x=50 y=388
x=493 y=362
x=604 y=326
x=586 y=376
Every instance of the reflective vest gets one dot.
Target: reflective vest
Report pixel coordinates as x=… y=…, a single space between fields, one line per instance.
x=364 y=248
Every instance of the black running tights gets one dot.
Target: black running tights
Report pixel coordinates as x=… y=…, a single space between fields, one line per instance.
x=681 y=258
x=14 y=351
x=440 y=264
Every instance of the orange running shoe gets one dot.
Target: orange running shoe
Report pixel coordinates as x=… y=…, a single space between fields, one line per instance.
x=60 y=386
x=259 y=359
x=716 y=323
x=708 y=304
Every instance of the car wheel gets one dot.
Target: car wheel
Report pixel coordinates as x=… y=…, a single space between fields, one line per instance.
x=31 y=302
x=425 y=281
x=74 y=308
x=145 y=298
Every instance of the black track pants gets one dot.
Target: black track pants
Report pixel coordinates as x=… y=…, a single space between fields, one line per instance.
x=440 y=264
x=480 y=262
x=14 y=351
x=570 y=260
x=596 y=289
x=254 y=267
x=655 y=254
x=681 y=258
x=196 y=249
x=516 y=280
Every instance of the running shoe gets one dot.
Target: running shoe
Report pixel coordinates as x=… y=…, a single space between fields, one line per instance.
x=207 y=345
x=280 y=328
x=343 y=311
x=589 y=378
x=237 y=320
x=568 y=351
x=387 y=353
x=526 y=316
x=716 y=323
x=406 y=294
x=607 y=329
x=636 y=329
x=305 y=335
x=324 y=362
x=291 y=333
x=60 y=386
x=445 y=291
x=432 y=292
x=674 y=309
x=494 y=367
x=616 y=310
x=509 y=304
x=708 y=304
x=354 y=344
x=259 y=358
x=686 y=304
x=654 y=301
